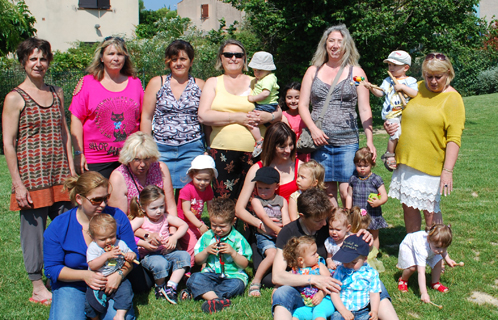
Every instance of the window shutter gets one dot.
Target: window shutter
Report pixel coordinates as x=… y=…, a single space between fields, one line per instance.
x=104 y=4
x=88 y=4
x=204 y=11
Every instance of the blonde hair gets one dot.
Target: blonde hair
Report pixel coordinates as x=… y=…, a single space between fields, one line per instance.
x=440 y=234
x=84 y=184
x=219 y=64
x=96 y=67
x=317 y=172
x=439 y=66
x=350 y=55
x=341 y=215
x=139 y=145
x=359 y=219
x=101 y=222
x=364 y=155
x=138 y=204
x=295 y=248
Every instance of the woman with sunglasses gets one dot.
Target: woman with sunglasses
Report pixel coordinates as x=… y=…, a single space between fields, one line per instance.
x=65 y=244
x=428 y=148
x=171 y=104
x=224 y=107
x=105 y=109
x=37 y=150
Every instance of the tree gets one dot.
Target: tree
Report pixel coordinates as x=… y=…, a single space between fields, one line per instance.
x=16 y=25
x=291 y=29
x=149 y=19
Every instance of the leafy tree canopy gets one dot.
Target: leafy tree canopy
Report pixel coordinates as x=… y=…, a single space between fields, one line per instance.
x=148 y=20
x=16 y=25
x=291 y=29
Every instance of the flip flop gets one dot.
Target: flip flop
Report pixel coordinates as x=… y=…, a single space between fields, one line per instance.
x=44 y=302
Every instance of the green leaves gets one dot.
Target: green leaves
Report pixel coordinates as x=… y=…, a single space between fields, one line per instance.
x=16 y=25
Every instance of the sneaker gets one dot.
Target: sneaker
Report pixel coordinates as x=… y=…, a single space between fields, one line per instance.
x=160 y=292
x=215 y=305
x=170 y=295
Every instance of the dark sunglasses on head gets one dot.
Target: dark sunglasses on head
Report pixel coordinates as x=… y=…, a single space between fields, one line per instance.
x=111 y=37
x=97 y=201
x=438 y=56
x=238 y=55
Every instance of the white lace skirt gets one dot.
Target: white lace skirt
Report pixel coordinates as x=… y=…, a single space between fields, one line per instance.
x=415 y=189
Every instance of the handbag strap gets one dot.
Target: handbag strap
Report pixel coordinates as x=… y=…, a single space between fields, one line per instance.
x=329 y=97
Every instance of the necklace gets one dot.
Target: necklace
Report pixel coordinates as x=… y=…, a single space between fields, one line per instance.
x=365 y=178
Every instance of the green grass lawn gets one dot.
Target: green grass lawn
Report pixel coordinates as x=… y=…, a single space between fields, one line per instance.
x=470 y=209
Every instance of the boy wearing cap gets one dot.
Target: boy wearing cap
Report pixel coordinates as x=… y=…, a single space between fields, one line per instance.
x=273 y=211
x=359 y=297
x=265 y=92
x=399 y=62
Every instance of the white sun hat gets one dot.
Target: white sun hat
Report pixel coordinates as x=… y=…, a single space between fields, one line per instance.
x=203 y=162
x=262 y=60
x=399 y=57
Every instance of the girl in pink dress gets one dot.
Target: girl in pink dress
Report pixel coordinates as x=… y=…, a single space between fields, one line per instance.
x=289 y=102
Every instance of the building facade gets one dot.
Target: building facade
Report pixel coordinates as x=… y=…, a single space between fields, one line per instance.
x=205 y=14
x=63 y=22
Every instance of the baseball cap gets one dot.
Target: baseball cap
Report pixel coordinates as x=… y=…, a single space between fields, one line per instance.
x=262 y=60
x=203 y=162
x=267 y=175
x=352 y=247
x=399 y=57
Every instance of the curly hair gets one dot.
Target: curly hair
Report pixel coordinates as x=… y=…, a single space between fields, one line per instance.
x=222 y=208
x=295 y=248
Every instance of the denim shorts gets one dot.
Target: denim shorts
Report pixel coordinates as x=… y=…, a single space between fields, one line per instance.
x=160 y=265
x=265 y=242
x=338 y=161
x=201 y=282
x=271 y=107
x=179 y=158
x=362 y=314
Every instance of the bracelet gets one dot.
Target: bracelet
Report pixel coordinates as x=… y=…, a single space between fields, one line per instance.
x=260 y=224
x=77 y=153
x=448 y=170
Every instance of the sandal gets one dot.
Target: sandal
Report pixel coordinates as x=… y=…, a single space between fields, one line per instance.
x=185 y=294
x=254 y=290
x=389 y=161
x=44 y=302
x=258 y=147
x=439 y=287
x=402 y=285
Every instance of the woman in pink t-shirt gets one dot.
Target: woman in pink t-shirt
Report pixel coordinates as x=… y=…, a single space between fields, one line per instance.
x=105 y=109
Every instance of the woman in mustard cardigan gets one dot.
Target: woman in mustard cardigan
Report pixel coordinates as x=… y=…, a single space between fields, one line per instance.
x=428 y=147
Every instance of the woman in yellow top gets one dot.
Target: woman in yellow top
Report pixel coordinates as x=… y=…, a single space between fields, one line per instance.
x=224 y=107
x=428 y=148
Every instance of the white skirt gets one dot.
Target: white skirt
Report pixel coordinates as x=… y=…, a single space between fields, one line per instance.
x=415 y=189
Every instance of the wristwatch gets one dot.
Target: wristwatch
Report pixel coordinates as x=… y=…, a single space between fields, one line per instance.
x=120 y=272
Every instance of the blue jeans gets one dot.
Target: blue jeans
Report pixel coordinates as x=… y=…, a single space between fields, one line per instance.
x=123 y=299
x=68 y=303
x=200 y=283
x=361 y=314
x=160 y=265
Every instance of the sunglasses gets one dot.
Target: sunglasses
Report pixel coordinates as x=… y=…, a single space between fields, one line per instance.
x=238 y=55
x=438 y=56
x=111 y=37
x=97 y=201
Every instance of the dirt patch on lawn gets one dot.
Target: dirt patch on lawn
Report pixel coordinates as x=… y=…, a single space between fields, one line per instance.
x=482 y=298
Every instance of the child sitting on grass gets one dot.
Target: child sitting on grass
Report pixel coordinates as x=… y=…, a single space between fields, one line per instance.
x=107 y=255
x=225 y=253
x=398 y=63
x=359 y=297
x=269 y=207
